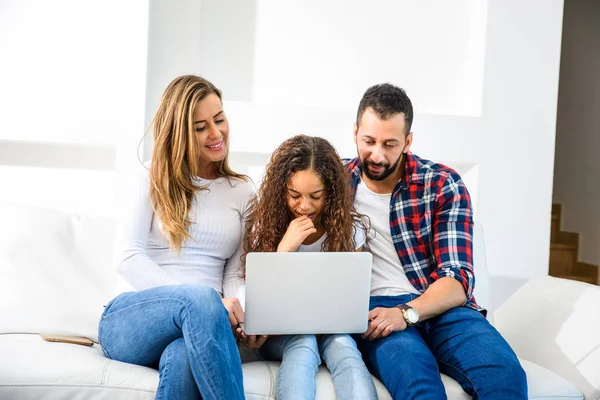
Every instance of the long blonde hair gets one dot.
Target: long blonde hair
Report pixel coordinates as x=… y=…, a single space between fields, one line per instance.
x=175 y=156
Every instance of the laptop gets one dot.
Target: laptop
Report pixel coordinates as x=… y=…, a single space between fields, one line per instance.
x=296 y=293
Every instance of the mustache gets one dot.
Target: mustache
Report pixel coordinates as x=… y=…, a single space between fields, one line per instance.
x=379 y=164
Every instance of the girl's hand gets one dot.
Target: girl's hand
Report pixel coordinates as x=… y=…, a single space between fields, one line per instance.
x=299 y=229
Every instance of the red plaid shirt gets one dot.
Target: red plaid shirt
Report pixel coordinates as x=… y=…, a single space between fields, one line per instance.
x=431 y=222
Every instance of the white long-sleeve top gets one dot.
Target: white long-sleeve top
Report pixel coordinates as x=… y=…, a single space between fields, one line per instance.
x=211 y=257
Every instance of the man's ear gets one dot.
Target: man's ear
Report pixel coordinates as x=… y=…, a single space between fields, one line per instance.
x=355 y=132
x=409 y=139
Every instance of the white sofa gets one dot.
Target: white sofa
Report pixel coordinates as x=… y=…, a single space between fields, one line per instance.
x=56 y=273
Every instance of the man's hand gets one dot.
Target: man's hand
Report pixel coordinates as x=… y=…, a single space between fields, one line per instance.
x=299 y=229
x=234 y=308
x=250 y=341
x=384 y=321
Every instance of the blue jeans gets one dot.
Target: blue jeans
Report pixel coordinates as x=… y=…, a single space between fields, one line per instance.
x=183 y=331
x=300 y=356
x=460 y=343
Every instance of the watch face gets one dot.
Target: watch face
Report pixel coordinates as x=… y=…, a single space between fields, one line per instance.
x=412 y=315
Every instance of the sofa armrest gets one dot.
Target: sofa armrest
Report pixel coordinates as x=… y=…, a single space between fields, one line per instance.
x=554 y=323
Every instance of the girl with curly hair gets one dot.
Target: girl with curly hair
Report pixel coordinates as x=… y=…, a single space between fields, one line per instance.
x=304 y=204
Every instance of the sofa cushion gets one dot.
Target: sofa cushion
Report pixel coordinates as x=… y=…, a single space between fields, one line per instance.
x=546 y=385
x=554 y=323
x=56 y=269
x=33 y=368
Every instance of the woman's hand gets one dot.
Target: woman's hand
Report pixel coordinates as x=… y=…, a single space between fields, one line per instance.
x=299 y=229
x=250 y=341
x=234 y=308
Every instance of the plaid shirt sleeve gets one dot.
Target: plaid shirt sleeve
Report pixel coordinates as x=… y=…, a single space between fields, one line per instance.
x=453 y=234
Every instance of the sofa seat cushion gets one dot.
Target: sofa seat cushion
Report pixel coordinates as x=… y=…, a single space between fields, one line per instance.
x=544 y=384
x=555 y=322
x=32 y=368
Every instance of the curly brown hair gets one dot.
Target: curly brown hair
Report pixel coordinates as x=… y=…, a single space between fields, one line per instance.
x=268 y=216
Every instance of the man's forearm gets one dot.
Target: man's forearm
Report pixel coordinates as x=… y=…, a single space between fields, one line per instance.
x=440 y=296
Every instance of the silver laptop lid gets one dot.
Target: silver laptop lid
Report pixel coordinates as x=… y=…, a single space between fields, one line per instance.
x=295 y=293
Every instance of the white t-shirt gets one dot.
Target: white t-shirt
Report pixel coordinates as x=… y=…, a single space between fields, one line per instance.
x=211 y=257
x=359 y=239
x=388 y=277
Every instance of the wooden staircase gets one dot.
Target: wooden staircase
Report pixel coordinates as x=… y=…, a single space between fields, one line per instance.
x=564 y=250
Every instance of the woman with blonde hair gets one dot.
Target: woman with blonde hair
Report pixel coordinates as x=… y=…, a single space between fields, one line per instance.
x=305 y=204
x=178 y=252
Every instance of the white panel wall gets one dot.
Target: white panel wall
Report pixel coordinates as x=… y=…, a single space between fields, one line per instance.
x=483 y=77
x=72 y=90
x=577 y=162
x=344 y=46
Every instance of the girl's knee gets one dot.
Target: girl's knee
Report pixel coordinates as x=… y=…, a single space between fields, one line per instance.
x=301 y=348
x=333 y=344
x=304 y=341
x=338 y=340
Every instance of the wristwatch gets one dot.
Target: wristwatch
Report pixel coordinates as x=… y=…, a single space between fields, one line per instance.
x=411 y=316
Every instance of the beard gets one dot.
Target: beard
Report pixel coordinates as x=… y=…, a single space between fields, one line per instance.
x=387 y=169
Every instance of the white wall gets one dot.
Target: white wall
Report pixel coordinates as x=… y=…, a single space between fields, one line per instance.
x=577 y=162
x=72 y=89
x=501 y=119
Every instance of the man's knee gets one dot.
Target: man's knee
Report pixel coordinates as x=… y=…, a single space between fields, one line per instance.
x=513 y=374
x=406 y=367
x=401 y=351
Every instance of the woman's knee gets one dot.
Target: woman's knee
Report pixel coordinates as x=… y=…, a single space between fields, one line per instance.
x=176 y=376
x=202 y=299
x=175 y=357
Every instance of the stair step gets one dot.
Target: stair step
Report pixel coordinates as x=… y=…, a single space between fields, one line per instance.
x=586 y=270
x=566 y=238
x=563 y=258
x=563 y=246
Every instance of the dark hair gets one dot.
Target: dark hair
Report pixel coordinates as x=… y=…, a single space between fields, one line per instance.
x=386 y=100
x=268 y=217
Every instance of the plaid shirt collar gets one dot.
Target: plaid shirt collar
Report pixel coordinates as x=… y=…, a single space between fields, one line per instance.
x=417 y=175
